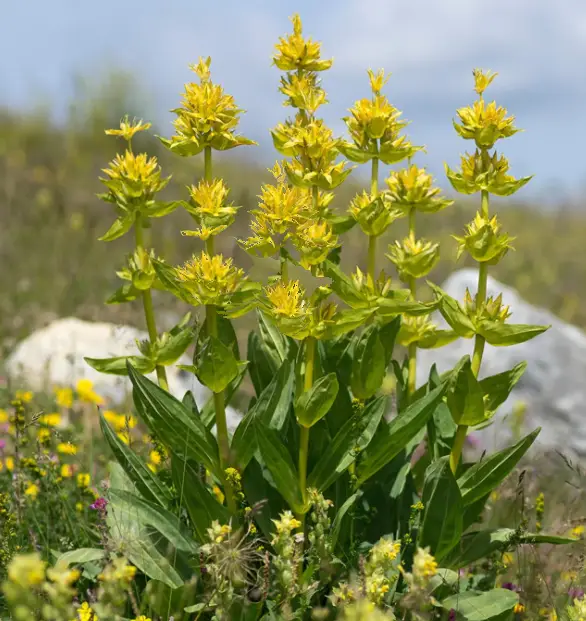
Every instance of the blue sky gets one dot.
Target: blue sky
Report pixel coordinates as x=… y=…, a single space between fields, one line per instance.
x=430 y=47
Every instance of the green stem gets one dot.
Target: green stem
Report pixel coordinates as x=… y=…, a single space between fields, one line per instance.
x=304 y=431
x=479 y=343
x=372 y=239
x=149 y=313
x=284 y=271
x=219 y=402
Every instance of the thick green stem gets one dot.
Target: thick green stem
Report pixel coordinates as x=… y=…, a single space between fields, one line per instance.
x=304 y=431
x=372 y=239
x=149 y=313
x=479 y=343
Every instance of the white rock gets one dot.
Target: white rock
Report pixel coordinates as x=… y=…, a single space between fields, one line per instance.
x=55 y=356
x=554 y=384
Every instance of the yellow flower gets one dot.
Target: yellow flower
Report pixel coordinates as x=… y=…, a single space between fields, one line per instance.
x=64 y=397
x=32 y=490
x=295 y=53
x=519 y=609
x=43 y=435
x=3 y=416
x=577 y=531
x=287 y=523
x=128 y=128
x=155 y=457
x=287 y=299
x=218 y=494
x=51 y=420
x=66 y=448
x=83 y=480
x=9 y=463
x=120 y=421
x=482 y=79
x=142 y=618
x=508 y=559
x=424 y=564
x=27 y=570
x=85 y=613
x=26 y=396
x=79 y=507
x=210 y=279
x=85 y=391
x=66 y=471
x=124 y=436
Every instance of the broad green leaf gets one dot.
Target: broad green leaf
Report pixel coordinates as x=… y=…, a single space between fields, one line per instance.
x=270 y=410
x=453 y=313
x=464 y=395
x=348 y=320
x=215 y=364
x=189 y=402
x=342 y=224
x=81 y=555
x=353 y=437
x=151 y=514
x=368 y=366
x=143 y=553
x=341 y=513
x=175 y=346
x=125 y=293
x=487 y=474
x=278 y=461
x=395 y=436
x=117 y=365
x=135 y=468
x=261 y=365
x=201 y=504
x=497 y=388
x=388 y=336
x=441 y=523
x=493 y=605
x=477 y=545
x=208 y=412
x=173 y=423
x=275 y=342
x=313 y=404
x=120 y=227
x=504 y=334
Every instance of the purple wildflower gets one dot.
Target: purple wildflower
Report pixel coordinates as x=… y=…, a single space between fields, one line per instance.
x=100 y=504
x=452 y=615
x=511 y=587
x=576 y=593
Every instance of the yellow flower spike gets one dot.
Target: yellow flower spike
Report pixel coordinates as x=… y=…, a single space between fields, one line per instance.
x=424 y=565
x=129 y=128
x=413 y=258
x=314 y=240
x=484 y=123
x=294 y=52
x=412 y=188
x=483 y=241
x=209 y=279
x=482 y=80
x=208 y=117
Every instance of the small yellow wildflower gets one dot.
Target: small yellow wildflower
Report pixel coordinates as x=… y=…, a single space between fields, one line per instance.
x=218 y=494
x=142 y=618
x=52 y=419
x=507 y=559
x=9 y=463
x=519 y=609
x=155 y=457
x=424 y=564
x=32 y=490
x=79 y=507
x=124 y=436
x=27 y=570
x=85 y=391
x=85 y=613
x=578 y=531
x=66 y=471
x=66 y=448
x=43 y=435
x=287 y=523
x=128 y=128
x=26 y=396
x=83 y=480
x=64 y=397
x=3 y=416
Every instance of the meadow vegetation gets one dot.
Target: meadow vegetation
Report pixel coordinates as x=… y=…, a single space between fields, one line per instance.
x=346 y=491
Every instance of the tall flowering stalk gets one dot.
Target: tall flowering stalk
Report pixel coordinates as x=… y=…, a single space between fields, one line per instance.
x=482 y=318
x=375 y=130
x=312 y=167
x=207 y=121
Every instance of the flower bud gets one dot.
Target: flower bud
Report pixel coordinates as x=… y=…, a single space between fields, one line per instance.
x=412 y=188
x=483 y=241
x=413 y=258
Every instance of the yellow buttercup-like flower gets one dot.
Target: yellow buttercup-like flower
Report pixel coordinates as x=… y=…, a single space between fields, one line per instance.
x=64 y=397
x=66 y=448
x=51 y=420
x=66 y=471
x=85 y=613
x=32 y=490
x=85 y=392
x=83 y=480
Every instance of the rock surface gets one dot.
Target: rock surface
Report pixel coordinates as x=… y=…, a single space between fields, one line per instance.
x=553 y=386
x=55 y=356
